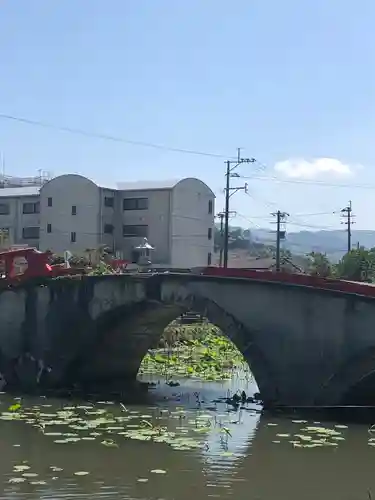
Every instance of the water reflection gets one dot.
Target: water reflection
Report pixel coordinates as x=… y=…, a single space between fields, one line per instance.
x=242 y=454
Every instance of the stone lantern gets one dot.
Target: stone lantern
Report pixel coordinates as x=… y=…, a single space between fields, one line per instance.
x=143 y=253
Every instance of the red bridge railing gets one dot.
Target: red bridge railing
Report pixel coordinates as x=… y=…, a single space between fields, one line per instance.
x=295 y=279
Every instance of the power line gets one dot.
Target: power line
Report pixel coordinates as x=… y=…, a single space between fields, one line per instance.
x=311 y=183
x=312 y=226
x=107 y=137
x=248 y=220
x=316 y=214
x=299 y=223
x=294 y=223
x=292 y=244
x=266 y=203
x=265 y=216
x=272 y=205
x=269 y=239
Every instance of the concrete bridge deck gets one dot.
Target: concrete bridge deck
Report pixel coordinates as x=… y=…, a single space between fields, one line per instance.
x=308 y=341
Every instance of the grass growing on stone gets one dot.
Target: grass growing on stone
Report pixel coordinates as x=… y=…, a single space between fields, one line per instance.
x=198 y=351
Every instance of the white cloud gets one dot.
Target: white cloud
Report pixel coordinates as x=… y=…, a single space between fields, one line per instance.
x=299 y=168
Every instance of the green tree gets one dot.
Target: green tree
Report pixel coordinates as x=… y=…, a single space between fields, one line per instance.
x=319 y=264
x=237 y=239
x=357 y=265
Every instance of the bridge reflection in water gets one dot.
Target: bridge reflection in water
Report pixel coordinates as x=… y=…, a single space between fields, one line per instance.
x=257 y=462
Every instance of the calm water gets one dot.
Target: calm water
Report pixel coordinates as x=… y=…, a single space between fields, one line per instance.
x=241 y=454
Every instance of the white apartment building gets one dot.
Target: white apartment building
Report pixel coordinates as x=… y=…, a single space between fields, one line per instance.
x=20 y=214
x=70 y=212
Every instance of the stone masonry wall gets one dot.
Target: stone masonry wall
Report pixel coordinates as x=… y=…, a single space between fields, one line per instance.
x=95 y=329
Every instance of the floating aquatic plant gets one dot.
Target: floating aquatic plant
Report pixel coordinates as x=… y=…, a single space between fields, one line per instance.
x=194 y=351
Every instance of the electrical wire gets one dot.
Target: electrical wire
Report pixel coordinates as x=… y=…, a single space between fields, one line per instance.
x=248 y=220
x=292 y=219
x=268 y=204
x=108 y=137
x=316 y=214
x=290 y=244
x=312 y=226
x=310 y=183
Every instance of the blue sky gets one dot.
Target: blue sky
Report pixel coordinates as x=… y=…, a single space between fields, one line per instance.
x=291 y=82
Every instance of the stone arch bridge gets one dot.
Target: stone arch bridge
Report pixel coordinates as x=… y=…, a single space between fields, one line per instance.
x=307 y=344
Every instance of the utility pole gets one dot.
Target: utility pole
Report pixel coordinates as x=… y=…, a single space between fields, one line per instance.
x=347 y=214
x=229 y=191
x=280 y=235
x=221 y=216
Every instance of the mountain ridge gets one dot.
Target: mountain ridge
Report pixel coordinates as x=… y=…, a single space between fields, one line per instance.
x=331 y=242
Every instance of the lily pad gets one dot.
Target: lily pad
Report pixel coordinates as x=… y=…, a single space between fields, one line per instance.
x=21 y=468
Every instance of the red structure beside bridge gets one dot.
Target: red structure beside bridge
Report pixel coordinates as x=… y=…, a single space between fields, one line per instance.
x=293 y=279
x=20 y=265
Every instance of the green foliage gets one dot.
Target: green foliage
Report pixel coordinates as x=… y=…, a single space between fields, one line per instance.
x=84 y=263
x=101 y=269
x=357 y=265
x=194 y=351
x=240 y=239
x=319 y=264
x=15 y=407
x=75 y=261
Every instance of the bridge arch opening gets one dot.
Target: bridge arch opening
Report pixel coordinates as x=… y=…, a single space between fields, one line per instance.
x=123 y=337
x=191 y=346
x=354 y=383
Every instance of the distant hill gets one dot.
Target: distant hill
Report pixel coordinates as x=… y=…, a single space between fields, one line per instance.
x=246 y=251
x=333 y=243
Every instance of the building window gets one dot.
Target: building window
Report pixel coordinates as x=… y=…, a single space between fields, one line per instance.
x=30 y=233
x=73 y=237
x=132 y=231
x=209 y=258
x=109 y=201
x=135 y=204
x=49 y=202
x=4 y=209
x=108 y=228
x=74 y=209
x=209 y=233
x=210 y=206
x=31 y=208
x=4 y=236
x=49 y=228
